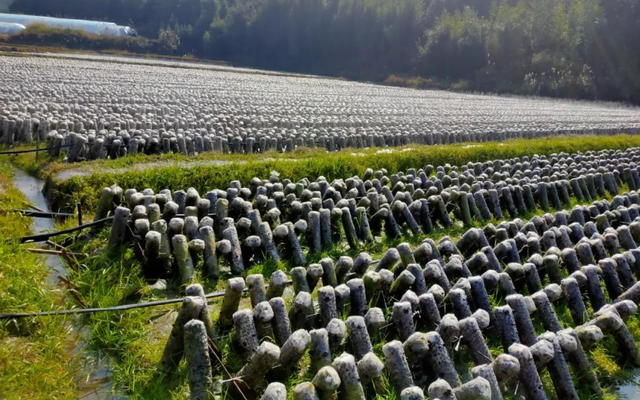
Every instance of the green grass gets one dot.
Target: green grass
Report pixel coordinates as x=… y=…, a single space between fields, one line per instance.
x=311 y=163
x=132 y=340
x=35 y=354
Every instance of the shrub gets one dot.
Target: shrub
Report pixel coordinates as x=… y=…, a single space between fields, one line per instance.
x=38 y=34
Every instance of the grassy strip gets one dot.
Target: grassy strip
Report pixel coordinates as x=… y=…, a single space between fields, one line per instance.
x=35 y=354
x=135 y=339
x=300 y=164
x=14 y=50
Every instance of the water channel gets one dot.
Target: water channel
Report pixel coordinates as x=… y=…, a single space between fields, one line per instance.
x=94 y=376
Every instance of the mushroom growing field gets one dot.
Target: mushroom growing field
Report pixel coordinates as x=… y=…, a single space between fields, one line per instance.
x=97 y=108
x=349 y=243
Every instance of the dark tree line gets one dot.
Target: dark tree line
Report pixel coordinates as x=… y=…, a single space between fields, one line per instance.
x=567 y=48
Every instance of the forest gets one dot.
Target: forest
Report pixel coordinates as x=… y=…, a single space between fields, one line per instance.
x=587 y=49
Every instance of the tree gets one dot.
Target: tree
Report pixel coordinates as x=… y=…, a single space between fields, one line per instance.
x=169 y=39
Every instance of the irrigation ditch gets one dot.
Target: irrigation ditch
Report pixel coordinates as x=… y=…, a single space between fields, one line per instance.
x=95 y=382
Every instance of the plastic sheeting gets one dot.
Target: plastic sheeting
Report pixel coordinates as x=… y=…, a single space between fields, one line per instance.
x=95 y=27
x=10 y=28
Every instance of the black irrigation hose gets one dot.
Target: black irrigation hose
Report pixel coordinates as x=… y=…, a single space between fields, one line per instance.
x=43 y=214
x=43 y=237
x=115 y=308
x=122 y=307
x=35 y=150
x=89 y=310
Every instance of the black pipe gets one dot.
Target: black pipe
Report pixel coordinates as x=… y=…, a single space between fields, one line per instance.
x=45 y=236
x=34 y=150
x=44 y=214
x=115 y=308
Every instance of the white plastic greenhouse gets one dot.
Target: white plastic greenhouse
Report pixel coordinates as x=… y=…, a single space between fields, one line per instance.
x=95 y=27
x=10 y=28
